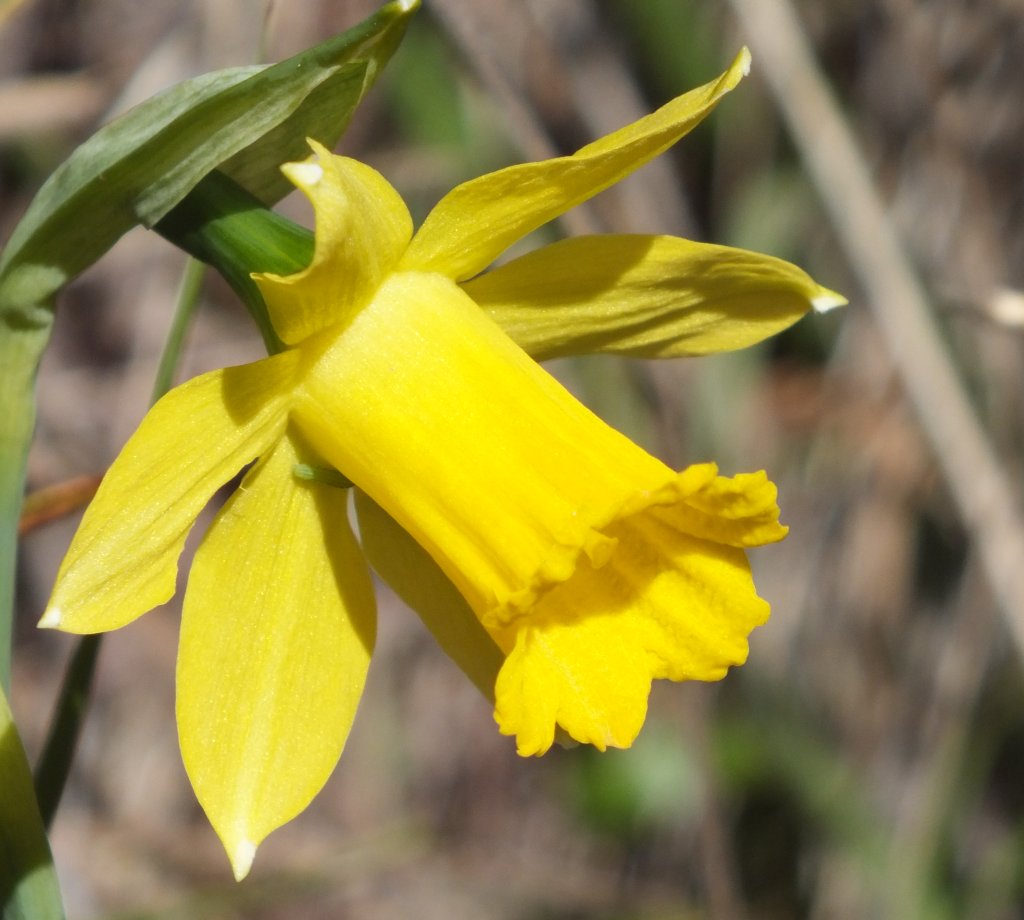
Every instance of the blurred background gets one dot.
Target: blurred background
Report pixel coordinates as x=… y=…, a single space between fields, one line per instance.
x=868 y=761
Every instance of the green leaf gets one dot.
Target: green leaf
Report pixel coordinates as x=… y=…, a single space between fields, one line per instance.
x=20 y=348
x=28 y=883
x=133 y=171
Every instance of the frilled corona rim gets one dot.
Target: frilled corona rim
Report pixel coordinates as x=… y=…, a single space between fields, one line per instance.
x=594 y=543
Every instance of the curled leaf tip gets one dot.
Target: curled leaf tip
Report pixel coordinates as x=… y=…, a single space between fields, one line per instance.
x=827 y=300
x=51 y=619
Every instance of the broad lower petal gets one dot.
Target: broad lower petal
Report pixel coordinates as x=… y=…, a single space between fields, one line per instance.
x=362 y=229
x=276 y=637
x=418 y=581
x=645 y=296
x=123 y=560
x=478 y=220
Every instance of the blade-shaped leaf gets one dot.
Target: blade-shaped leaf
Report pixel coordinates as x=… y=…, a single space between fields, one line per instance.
x=134 y=170
x=20 y=347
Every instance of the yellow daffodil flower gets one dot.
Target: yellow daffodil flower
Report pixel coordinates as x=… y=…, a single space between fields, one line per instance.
x=560 y=565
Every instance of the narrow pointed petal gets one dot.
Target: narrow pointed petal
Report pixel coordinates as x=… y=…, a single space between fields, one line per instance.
x=276 y=637
x=645 y=296
x=418 y=581
x=480 y=219
x=362 y=229
x=123 y=560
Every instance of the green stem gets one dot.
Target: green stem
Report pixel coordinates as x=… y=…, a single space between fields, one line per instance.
x=188 y=300
x=222 y=224
x=69 y=713
x=28 y=882
x=54 y=765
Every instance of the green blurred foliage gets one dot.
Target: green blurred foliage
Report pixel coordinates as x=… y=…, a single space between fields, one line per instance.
x=653 y=786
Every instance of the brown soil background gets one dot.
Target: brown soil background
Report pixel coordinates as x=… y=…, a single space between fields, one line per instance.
x=869 y=759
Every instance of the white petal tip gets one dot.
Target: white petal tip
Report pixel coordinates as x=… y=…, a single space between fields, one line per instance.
x=745 y=61
x=407 y=6
x=304 y=175
x=828 y=300
x=51 y=619
x=241 y=859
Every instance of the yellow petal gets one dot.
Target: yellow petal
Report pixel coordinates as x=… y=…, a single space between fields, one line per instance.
x=124 y=558
x=418 y=581
x=276 y=637
x=645 y=296
x=550 y=524
x=485 y=459
x=498 y=472
x=736 y=511
x=667 y=605
x=362 y=229
x=480 y=219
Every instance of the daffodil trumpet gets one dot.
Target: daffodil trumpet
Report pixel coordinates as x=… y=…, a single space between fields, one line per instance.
x=561 y=566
